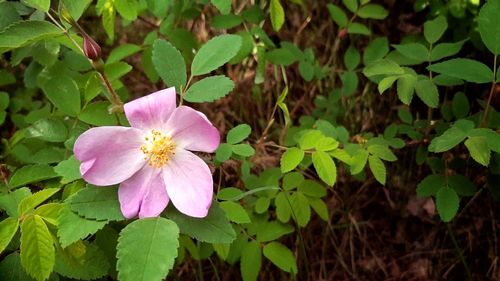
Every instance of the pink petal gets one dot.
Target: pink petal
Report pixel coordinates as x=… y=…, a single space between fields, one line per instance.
x=151 y=111
x=189 y=183
x=109 y=155
x=144 y=194
x=191 y=130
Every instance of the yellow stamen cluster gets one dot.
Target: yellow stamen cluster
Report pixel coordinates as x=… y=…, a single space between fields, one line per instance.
x=158 y=149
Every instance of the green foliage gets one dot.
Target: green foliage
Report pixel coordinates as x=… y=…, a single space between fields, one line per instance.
x=99 y=203
x=216 y=52
x=169 y=64
x=209 y=89
x=280 y=256
x=147 y=249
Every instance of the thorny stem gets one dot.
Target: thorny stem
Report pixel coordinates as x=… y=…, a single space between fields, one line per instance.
x=115 y=99
x=492 y=90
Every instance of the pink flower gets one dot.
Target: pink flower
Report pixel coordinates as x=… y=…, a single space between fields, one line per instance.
x=151 y=160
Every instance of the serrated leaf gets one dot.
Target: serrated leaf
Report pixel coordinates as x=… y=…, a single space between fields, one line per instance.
x=325 y=167
x=63 y=92
x=10 y=201
x=50 y=130
x=372 y=11
x=42 y=5
x=291 y=159
x=8 y=228
x=71 y=227
x=37 y=248
x=147 y=249
x=301 y=209
x=434 y=29
x=382 y=152
x=238 y=133
x=415 y=51
x=386 y=83
x=466 y=69
x=235 y=212
x=29 y=203
x=338 y=15
x=30 y=174
x=23 y=33
x=81 y=261
x=12 y=270
x=281 y=56
x=378 y=169
x=406 y=87
x=277 y=14
x=451 y=137
x=109 y=18
x=100 y=203
x=358 y=161
x=383 y=67
x=251 y=260
x=272 y=230
x=281 y=256
x=447 y=203
x=97 y=114
x=214 y=228
x=216 y=52
x=169 y=63
x=49 y=212
x=209 y=89
x=489 y=26
x=75 y=8
x=427 y=91
x=283 y=210
x=376 y=50
x=69 y=170
x=479 y=150
x=430 y=185
x=444 y=50
x=127 y=8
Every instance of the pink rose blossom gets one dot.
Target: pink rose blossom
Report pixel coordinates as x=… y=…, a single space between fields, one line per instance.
x=152 y=160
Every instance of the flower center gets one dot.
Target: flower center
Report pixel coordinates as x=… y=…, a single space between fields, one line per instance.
x=158 y=148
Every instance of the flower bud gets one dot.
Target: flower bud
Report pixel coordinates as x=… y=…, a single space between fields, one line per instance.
x=342 y=33
x=91 y=48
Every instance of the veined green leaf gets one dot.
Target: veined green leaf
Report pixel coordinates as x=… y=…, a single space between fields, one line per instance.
x=325 y=167
x=209 y=89
x=447 y=203
x=23 y=33
x=277 y=14
x=216 y=52
x=434 y=29
x=169 y=63
x=8 y=228
x=251 y=260
x=291 y=159
x=378 y=169
x=489 y=26
x=466 y=69
x=281 y=256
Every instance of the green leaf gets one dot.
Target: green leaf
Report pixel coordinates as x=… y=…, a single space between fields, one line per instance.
x=147 y=249
x=8 y=228
x=226 y=21
x=378 y=169
x=169 y=63
x=10 y=201
x=320 y=208
x=451 y=137
x=209 y=89
x=272 y=230
x=235 y=212
x=224 y=6
x=352 y=5
x=116 y=70
x=69 y=170
x=373 y=11
x=262 y=205
x=127 y=8
x=312 y=188
x=12 y=270
x=444 y=50
x=30 y=174
x=489 y=26
x=75 y=8
x=63 y=92
x=434 y=29
x=325 y=167
x=382 y=152
x=71 y=227
x=479 y=150
x=251 y=261
x=460 y=105
x=351 y=58
x=29 y=203
x=386 y=83
x=81 y=261
x=283 y=210
x=291 y=159
x=301 y=209
x=462 y=185
x=466 y=69
x=430 y=185
x=338 y=15
x=37 y=248
x=376 y=50
x=415 y=51
x=281 y=256
x=50 y=130
x=42 y=5
x=309 y=139
x=214 y=228
x=406 y=87
x=277 y=14
x=109 y=18
x=383 y=67
x=358 y=28
x=405 y=115
x=243 y=149
x=447 y=203
x=122 y=52
x=281 y=56
x=216 y=52
x=358 y=161
x=99 y=203
x=224 y=152
x=97 y=114
x=427 y=91
x=238 y=133
x=23 y=33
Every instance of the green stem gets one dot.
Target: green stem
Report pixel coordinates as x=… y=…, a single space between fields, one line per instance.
x=492 y=90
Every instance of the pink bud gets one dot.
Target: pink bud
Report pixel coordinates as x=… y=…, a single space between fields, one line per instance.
x=91 y=48
x=342 y=33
